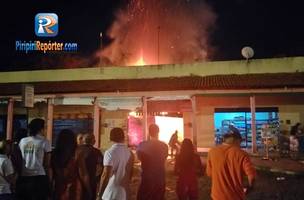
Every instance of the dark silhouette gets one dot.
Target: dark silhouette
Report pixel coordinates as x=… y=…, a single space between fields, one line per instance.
x=64 y=167
x=174 y=144
x=187 y=167
x=16 y=156
x=152 y=154
x=89 y=163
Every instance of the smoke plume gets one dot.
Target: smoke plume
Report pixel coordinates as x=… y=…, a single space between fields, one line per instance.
x=159 y=32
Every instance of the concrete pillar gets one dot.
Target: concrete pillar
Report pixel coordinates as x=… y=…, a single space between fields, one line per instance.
x=253 y=125
x=49 y=120
x=205 y=127
x=96 y=130
x=187 y=117
x=194 y=125
x=9 y=122
x=145 y=117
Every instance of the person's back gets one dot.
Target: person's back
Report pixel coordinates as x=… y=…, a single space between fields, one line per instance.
x=187 y=167
x=35 y=149
x=227 y=165
x=153 y=155
x=6 y=173
x=64 y=169
x=32 y=150
x=118 y=164
x=88 y=159
x=16 y=156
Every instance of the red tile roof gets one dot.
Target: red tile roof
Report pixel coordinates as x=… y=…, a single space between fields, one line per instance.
x=216 y=82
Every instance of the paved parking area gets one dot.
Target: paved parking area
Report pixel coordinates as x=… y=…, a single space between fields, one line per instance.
x=277 y=179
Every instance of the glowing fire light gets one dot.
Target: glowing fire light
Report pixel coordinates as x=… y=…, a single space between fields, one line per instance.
x=167 y=126
x=140 y=62
x=167 y=31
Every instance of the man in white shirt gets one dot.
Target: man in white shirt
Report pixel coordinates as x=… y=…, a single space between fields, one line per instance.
x=7 y=176
x=35 y=149
x=118 y=166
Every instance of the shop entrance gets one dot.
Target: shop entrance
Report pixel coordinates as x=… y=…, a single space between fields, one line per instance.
x=167 y=126
x=241 y=119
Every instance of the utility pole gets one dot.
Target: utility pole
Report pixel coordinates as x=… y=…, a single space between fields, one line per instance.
x=158 y=29
x=100 y=47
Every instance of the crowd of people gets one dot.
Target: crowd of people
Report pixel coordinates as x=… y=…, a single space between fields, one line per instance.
x=76 y=170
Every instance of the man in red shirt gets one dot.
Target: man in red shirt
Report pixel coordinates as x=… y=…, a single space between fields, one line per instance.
x=227 y=165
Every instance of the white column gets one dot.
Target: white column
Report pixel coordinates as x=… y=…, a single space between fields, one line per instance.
x=253 y=125
x=50 y=114
x=9 y=122
x=194 y=125
x=145 y=117
x=96 y=123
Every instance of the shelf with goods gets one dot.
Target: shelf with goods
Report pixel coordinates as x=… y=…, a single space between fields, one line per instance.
x=273 y=125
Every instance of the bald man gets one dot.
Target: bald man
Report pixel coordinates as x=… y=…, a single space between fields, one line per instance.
x=89 y=161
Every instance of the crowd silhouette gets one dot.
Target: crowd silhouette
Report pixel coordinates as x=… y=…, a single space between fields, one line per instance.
x=76 y=170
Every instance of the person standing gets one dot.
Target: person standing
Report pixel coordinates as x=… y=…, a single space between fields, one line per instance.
x=118 y=167
x=64 y=169
x=227 y=165
x=296 y=136
x=174 y=144
x=293 y=145
x=152 y=154
x=188 y=167
x=79 y=139
x=35 y=150
x=16 y=156
x=7 y=175
x=89 y=163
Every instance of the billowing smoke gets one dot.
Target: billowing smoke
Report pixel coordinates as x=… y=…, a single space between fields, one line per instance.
x=159 y=32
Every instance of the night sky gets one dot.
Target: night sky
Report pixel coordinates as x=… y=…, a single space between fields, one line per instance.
x=273 y=28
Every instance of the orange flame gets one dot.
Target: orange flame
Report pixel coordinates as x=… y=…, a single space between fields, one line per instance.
x=140 y=62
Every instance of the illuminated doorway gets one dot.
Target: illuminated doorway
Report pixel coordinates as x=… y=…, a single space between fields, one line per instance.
x=168 y=125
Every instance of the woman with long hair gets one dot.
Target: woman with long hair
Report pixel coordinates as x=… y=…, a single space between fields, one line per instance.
x=188 y=167
x=64 y=166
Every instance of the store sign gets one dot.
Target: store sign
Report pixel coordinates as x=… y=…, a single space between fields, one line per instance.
x=28 y=96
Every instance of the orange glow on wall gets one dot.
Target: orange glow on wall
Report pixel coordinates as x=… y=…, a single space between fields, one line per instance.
x=140 y=62
x=167 y=126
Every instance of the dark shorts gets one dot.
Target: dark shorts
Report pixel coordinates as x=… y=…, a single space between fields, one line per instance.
x=151 y=190
x=32 y=188
x=6 y=197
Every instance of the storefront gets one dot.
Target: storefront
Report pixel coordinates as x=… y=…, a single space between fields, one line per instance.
x=241 y=119
x=197 y=91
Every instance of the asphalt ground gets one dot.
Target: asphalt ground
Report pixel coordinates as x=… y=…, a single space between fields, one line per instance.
x=273 y=181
